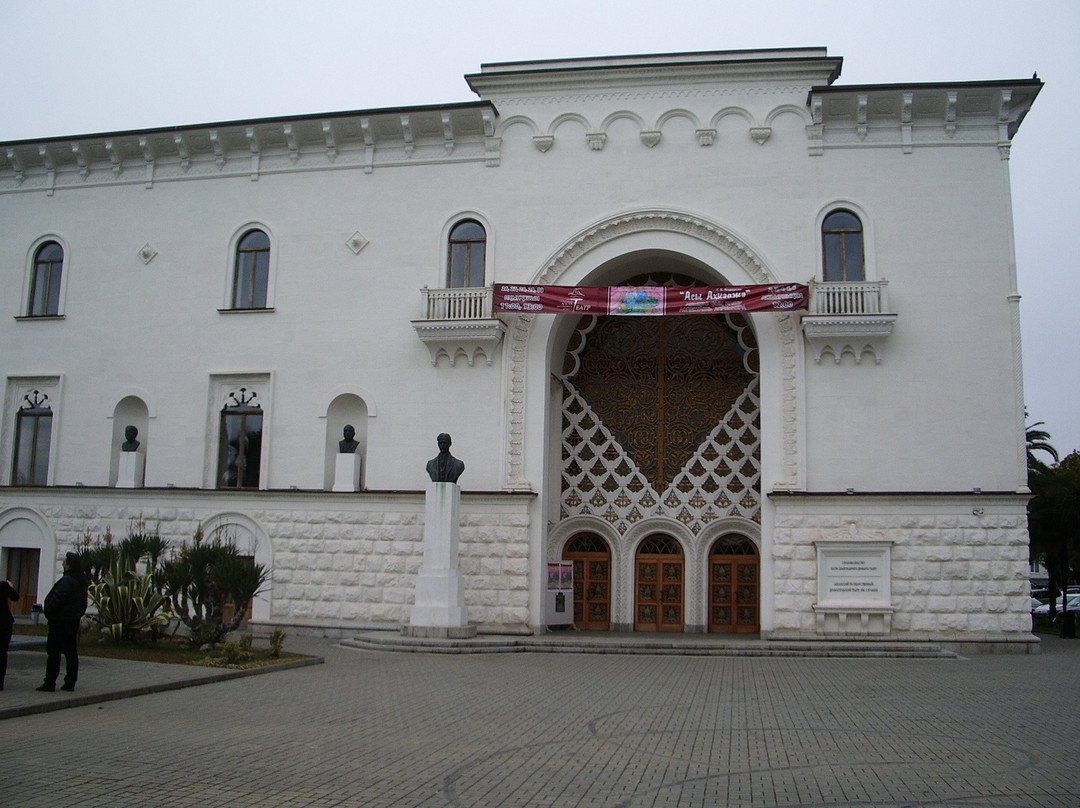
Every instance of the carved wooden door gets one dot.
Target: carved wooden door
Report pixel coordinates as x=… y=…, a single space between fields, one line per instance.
x=592 y=581
x=22 y=571
x=733 y=586
x=659 y=585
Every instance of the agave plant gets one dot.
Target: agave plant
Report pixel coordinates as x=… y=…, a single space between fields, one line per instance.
x=128 y=604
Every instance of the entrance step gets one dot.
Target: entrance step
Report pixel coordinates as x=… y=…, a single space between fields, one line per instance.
x=627 y=643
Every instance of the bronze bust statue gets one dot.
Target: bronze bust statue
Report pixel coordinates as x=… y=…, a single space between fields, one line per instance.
x=349 y=443
x=444 y=467
x=130 y=444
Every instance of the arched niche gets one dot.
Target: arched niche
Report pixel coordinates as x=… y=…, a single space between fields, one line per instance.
x=345 y=409
x=129 y=411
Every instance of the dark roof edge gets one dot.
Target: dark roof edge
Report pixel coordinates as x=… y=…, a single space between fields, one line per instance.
x=697 y=56
x=558 y=67
x=932 y=85
x=242 y=121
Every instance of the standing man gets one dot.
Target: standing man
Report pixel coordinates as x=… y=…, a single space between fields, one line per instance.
x=64 y=607
x=7 y=592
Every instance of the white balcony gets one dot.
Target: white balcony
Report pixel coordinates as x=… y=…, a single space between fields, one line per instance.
x=848 y=317
x=459 y=322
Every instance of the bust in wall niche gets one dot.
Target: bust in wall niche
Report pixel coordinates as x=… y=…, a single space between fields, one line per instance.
x=348 y=443
x=130 y=443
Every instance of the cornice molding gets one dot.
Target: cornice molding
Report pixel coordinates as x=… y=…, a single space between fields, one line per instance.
x=912 y=115
x=367 y=140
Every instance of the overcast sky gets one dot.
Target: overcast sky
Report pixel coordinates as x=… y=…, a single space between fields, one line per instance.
x=73 y=67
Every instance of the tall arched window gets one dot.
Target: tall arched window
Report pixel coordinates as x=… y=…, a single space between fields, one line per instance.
x=842 y=247
x=45 y=283
x=240 y=441
x=252 y=271
x=465 y=256
x=33 y=438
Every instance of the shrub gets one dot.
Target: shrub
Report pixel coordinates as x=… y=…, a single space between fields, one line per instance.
x=201 y=578
x=277 y=641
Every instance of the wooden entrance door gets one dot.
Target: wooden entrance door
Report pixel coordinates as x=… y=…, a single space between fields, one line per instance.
x=22 y=571
x=734 y=605
x=592 y=581
x=658 y=585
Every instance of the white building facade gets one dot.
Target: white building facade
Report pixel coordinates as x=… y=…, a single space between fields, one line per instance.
x=241 y=291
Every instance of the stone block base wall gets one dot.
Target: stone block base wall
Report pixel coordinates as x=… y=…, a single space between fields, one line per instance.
x=959 y=562
x=339 y=561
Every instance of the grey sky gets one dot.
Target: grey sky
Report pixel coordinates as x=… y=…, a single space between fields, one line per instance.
x=74 y=67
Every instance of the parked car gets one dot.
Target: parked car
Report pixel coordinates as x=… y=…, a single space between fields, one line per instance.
x=1035 y=604
x=1068 y=603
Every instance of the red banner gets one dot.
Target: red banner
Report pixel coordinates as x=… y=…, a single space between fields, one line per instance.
x=656 y=301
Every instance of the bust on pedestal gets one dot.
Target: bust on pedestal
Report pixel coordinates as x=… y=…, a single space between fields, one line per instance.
x=129 y=473
x=439 y=608
x=347 y=462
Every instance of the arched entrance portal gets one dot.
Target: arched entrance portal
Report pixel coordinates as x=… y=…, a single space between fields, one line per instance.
x=661 y=420
x=734 y=593
x=592 y=581
x=659 y=573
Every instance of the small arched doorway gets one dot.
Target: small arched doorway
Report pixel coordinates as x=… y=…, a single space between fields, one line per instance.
x=734 y=572
x=659 y=573
x=592 y=581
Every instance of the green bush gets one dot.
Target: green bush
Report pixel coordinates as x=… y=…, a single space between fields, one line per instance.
x=277 y=641
x=201 y=578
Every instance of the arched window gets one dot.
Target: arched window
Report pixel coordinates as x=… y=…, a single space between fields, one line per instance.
x=45 y=283
x=252 y=271
x=465 y=256
x=842 y=247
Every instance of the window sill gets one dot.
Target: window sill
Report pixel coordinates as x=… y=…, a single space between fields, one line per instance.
x=27 y=318
x=246 y=311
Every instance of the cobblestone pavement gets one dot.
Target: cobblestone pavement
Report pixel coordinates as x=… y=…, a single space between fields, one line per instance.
x=378 y=729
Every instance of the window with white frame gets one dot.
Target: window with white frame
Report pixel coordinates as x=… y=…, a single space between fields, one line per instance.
x=466 y=251
x=240 y=440
x=33 y=440
x=251 y=272
x=45 y=279
x=842 y=247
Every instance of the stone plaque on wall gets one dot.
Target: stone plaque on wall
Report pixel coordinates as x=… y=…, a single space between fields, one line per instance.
x=854 y=574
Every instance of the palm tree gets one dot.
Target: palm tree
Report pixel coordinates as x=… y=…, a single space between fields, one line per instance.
x=1038 y=440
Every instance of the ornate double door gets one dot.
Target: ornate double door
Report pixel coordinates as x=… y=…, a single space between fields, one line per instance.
x=592 y=581
x=734 y=574
x=659 y=585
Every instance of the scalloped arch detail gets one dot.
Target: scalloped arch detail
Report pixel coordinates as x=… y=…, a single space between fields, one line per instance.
x=654 y=220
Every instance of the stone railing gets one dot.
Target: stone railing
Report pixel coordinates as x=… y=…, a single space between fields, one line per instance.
x=855 y=297
x=848 y=318
x=459 y=322
x=457 y=304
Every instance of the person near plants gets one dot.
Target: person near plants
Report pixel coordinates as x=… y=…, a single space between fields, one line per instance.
x=64 y=607
x=7 y=592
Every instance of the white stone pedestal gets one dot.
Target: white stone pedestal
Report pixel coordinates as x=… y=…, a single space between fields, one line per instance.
x=131 y=469
x=439 y=607
x=346 y=472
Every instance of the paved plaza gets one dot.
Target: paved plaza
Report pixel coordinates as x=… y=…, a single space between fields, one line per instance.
x=379 y=729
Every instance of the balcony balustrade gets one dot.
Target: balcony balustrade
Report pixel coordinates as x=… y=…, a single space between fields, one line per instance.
x=457 y=304
x=848 y=317
x=459 y=322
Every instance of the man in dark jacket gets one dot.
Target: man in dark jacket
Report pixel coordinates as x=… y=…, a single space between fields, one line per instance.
x=7 y=592
x=64 y=607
